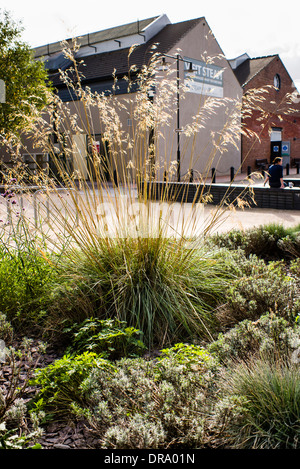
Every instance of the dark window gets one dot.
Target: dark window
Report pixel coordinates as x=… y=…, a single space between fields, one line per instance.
x=277 y=82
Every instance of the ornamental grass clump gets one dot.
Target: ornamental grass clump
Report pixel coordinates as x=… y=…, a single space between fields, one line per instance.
x=154 y=285
x=261 y=400
x=121 y=161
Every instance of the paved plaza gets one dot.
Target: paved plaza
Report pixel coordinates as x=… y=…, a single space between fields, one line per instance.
x=249 y=218
x=36 y=205
x=253 y=217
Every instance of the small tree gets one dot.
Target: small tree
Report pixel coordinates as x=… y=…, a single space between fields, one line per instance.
x=24 y=77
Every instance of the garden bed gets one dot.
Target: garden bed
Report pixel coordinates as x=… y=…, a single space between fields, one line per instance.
x=96 y=386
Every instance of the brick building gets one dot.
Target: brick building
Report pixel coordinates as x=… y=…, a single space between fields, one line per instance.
x=276 y=118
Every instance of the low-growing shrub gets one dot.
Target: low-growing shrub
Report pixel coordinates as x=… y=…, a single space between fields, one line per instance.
x=295 y=267
x=269 y=242
x=11 y=439
x=59 y=383
x=152 y=403
x=6 y=330
x=259 y=288
x=290 y=245
x=270 y=337
x=137 y=432
x=17 y=430
x=110 y=338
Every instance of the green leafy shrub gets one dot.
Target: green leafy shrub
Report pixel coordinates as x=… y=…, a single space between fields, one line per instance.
x=60 y=382
x=11 y=439
x=109 y=337
x=189 y=356
x=25 y=276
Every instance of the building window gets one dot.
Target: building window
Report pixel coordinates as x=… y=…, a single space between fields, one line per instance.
x=276 y=134
x=277 y=82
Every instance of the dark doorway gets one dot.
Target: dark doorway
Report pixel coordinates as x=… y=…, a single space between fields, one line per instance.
x=275 y=150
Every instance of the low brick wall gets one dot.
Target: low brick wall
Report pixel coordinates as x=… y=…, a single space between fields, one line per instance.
x=265 y=197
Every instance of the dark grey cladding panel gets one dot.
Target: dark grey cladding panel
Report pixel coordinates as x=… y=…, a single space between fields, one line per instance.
x=281 y=199
x=105 y=87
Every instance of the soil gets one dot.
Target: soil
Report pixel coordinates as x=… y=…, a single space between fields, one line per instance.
x=56 y=435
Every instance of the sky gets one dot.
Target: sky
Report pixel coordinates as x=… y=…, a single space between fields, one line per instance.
x=259 y=27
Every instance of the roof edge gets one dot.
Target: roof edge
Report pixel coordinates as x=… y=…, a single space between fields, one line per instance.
x=86 y=39
x=272 y=56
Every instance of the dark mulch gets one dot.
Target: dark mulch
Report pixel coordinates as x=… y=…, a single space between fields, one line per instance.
x=56 y=435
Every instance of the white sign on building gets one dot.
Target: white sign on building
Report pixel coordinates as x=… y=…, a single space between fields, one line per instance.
x=207 y=79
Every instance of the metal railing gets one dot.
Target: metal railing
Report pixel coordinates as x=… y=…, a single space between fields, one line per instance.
x=15 y=190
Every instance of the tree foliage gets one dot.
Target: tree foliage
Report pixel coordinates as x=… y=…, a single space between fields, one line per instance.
x=26 y=89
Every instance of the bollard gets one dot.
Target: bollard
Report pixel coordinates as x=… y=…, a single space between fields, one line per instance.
x=248 y=170
x=116 y=178
x=287 y=169
x=213 y=175
x=298 y=168
x=231 y=173
x=191 y=175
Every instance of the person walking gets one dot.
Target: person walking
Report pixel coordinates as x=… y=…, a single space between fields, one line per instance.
x=275 y=174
